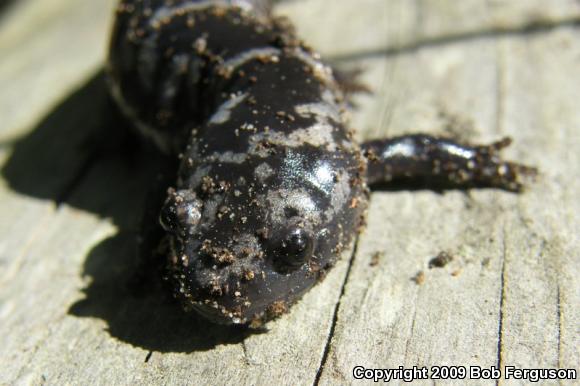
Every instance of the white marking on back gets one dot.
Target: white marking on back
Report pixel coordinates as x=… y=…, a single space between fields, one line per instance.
x=167 y=12
x=318 y=135
x=233 y=63
x=223 y=113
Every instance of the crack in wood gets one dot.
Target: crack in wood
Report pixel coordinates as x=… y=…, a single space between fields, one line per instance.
x=559 y=313
x=247 y=358
x=412 y=332
x=502 y=292
x=533 y=27
x=326 y=351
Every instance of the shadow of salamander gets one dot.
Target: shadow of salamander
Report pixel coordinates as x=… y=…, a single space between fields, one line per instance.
x=84 y=155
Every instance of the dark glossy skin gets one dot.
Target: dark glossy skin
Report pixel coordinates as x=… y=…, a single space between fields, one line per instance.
x=271 y=187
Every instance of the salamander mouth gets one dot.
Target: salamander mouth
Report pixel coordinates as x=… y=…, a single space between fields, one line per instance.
x=216 y=315
x=251 y=318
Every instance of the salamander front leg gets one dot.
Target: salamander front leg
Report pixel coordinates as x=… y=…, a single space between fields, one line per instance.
x=442 y=162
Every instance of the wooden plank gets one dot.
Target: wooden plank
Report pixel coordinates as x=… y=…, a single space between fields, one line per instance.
x=542 y=290
x=112 y=328
x=40 y=169
x=62 y=342
x=69 y=221
x=499 y=302
x=49 y=48
x=386 y=319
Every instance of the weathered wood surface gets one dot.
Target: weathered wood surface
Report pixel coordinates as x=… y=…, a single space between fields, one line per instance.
x=69 y=205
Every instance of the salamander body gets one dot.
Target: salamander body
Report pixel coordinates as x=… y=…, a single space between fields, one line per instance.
x=271 y=187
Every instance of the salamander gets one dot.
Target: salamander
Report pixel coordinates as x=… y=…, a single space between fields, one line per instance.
x=271 y=186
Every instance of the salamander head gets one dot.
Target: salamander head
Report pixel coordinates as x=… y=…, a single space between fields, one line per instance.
x=247 y=243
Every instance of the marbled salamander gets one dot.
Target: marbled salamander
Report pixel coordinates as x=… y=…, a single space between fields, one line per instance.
x=271 y=186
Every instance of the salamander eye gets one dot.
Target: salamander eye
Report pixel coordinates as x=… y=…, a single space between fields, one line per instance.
x=295 y=249
x=181 y=211
x=168 y=217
